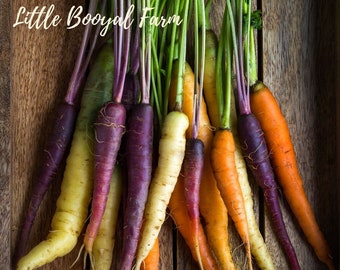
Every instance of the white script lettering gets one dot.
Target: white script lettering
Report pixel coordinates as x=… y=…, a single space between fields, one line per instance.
x=75 y=14
x=158 y=21
x=37 y=18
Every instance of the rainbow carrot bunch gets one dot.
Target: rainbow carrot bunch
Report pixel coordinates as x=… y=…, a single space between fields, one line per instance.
x=252 y=140
x=159 y=133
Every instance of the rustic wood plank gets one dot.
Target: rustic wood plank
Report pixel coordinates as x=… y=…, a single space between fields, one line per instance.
x=298 y=56
x=5 y=210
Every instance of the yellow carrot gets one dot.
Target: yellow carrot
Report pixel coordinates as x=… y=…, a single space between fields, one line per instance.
x=103 y=245
x=171 y=155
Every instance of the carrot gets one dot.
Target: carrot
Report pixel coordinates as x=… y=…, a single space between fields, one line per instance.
x=192 y=170
x=223 y=146
x=252 y=141
x=282 y=154
x=58 y=141
x=215 y=215
x=224 y=168
x=151 y=261
x=139 y=147
x=171 y=155
x=72 y=204
x=193 y=162
x=109 y=129
x=105 y=241
x=194 y=150
x=139 y=142
x=209 y=83
x=257 y=156
x=257 y=245
x=184 y=225
x=211 y=204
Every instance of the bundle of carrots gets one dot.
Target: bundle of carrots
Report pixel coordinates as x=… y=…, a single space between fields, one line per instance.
x=157 y=132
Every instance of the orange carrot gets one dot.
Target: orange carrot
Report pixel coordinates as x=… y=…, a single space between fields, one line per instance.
x=224 y=167
x=215 y=215
x=183 y=223
x=151 y=261
x=276 y=132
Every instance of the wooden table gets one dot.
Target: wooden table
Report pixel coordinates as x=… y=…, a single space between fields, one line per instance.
x=298 y=55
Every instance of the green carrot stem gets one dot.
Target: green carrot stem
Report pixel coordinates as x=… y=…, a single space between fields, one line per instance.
x=242 y=94
x=156 y=84
x=250 y=58
x=207 y=14
x=182 y=54
x=224 y=66
x=199 y=23
x=171 y=50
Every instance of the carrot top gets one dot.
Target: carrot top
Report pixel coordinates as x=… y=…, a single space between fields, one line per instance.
x=252 y=21
x=121 y=41
x=83 y=58
x=199 y=23
x=145 y=54
x=167 y=45
x=224 y=66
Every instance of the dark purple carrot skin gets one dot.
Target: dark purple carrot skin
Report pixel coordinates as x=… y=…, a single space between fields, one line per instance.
x=54 y=152
x=257 y=157
x=109 y=129
x=131 y=91
x=192 y=169
x=139 y=143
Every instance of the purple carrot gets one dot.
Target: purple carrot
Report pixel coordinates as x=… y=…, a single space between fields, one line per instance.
x=131 y=91
x=192 y=169
x=109 y=128
x=257 y=157
x=55 y=148
x=139 y=145
x=139 y=169
x=59 y=139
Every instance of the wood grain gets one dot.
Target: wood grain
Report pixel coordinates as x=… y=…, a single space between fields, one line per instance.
x=5 y=150
x=297 y=58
